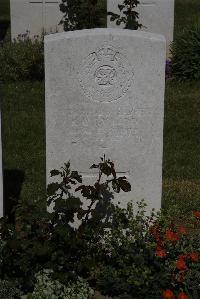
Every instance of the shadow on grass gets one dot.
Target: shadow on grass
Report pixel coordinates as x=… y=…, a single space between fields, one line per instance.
x=12 y=185
x=4 y=24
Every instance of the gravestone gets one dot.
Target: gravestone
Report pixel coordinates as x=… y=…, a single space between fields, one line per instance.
x=156 y=15
x=36 y=16
x=105 y=95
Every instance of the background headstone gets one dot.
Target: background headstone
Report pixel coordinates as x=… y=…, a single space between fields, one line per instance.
x=105 y=95
x=156 y=15
x=36 y=16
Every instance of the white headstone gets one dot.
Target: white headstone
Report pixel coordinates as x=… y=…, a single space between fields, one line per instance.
x=105 y=95
x=156 y=15
x=36 y=16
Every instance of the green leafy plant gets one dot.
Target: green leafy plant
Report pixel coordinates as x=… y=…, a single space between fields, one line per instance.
x=82 y=14
x=186 y=54
x=40 y=240
x=22 y=59
x=8 y=290
x=78 y=251
x=47 y=287
x=130 y=269
x=118 y=251
x=128 y=15
x=148 y=258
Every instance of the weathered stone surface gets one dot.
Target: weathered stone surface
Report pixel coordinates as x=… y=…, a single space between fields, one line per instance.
x=105 y=95
x=36 y=16
x=156 y=15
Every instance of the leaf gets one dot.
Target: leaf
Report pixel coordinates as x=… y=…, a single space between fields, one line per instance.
x=105 y=168
x=54 y=172
x=71 y=203
x=79 y=188
x=87 y=191
x=75 y=175
x=67 y=165
x=118 y=22
x=52 y=188
x=121 y=7
x=124 y=184
x=94 y=166
x=72 y=182
x=115 y=186
x=112 y=169
x=113 y=18
x=81 y=213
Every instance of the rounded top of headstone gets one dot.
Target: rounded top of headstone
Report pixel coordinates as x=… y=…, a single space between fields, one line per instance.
x=105 y=31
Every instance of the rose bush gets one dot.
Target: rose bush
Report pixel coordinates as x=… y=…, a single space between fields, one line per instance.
x=115 y=250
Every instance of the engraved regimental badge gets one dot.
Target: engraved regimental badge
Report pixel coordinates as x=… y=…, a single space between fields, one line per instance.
x=105 y=74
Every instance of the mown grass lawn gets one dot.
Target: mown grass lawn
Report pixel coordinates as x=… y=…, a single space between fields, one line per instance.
x=24 y=133
x=5 y=10
x=181 y=159
x=4 y=17
x=181 y=163
x=187 y=13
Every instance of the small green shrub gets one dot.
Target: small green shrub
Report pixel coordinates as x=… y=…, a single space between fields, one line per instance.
x=128 y=15
x=40 y=240
x=186 y=54
x=47 y=287
x=22 y=59
x=8 y=290
x=131 y=269
x=146 y=256
x=119 y=252
x=83 y=14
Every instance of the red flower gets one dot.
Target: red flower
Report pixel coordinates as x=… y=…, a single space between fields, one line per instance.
x=168 y=294
x=154 y=231
x=171 y=236
x=159 y=243
x=160 y=252
x=182 y=230
x=180 y=264
x=182 y=295
x=194 y=257
x=197 y=214
x=182 y=256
